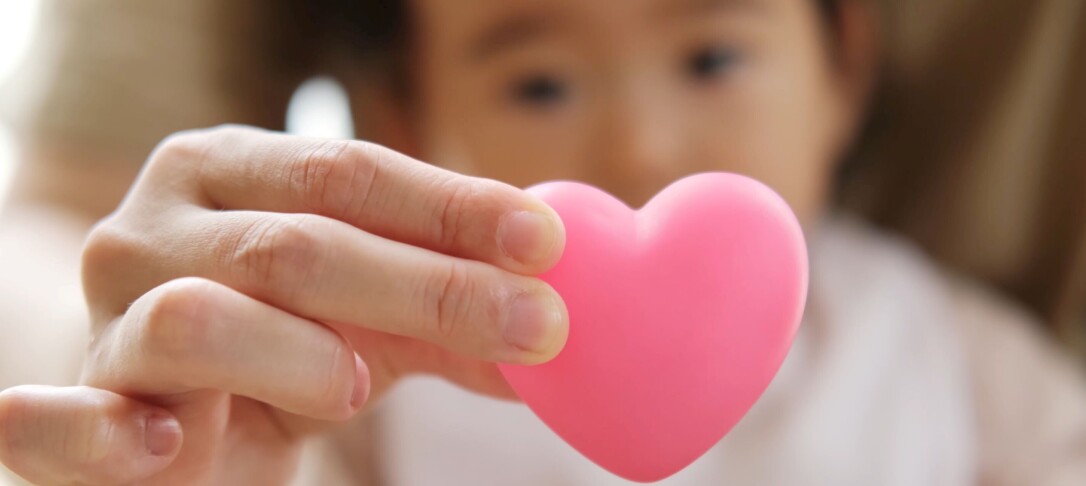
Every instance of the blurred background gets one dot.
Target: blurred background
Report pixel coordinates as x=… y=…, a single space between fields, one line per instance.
x=977 y=133
x=973 y=152
x=318 y=108
x=17 y=22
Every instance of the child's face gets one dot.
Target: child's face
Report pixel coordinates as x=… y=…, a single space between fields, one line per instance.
x=630 y=94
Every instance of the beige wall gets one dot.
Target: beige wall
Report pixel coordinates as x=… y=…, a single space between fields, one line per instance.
x=977 y=148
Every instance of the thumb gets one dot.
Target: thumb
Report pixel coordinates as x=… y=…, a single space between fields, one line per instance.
x=51 y=435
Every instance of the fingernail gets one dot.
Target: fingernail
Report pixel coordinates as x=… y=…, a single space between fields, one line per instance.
x=528 y=236
x=361 y=384
x=161 y=434
x=533 y=322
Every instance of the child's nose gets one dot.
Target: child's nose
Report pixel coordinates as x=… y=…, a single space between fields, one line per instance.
x=640 y=142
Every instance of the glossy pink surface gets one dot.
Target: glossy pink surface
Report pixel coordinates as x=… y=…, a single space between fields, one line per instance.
x=680 y=315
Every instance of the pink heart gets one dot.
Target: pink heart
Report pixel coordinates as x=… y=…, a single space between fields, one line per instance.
x=680 y=315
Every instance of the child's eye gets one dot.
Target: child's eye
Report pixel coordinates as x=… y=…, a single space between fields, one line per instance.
x=540 y=91
x=711 y=61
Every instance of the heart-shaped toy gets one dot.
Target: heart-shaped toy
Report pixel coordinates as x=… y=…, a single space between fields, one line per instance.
x=680 y=315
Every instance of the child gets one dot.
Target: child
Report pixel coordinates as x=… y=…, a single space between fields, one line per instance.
x=243 y=325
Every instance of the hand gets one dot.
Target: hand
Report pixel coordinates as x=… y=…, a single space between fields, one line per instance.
x=233 y=287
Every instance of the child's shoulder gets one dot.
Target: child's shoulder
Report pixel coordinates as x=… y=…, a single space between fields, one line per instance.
x=859 y=255
x=856 y=265
x=856 y=250
x=1025 y=393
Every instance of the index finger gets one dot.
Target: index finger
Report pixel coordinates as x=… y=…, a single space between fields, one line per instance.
x=370 y=187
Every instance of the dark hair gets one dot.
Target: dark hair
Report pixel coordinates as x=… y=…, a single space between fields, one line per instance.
x=828 y=9
x=375 y=32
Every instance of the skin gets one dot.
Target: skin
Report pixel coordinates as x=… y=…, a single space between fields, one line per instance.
x=629 y=111
x=338 y=267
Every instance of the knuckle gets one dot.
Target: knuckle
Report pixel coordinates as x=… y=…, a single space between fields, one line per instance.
x=331 y=386
x=15 y=402
x=455 y=202
x=278 y=252
x=108 y=255
x=468 y=203
x=16 y=411
x=178 y=147
x=228 y=130
x=9 y=398
x=450 y=299
x=335 y=177
x=93 y=434
x=174 y=320
x=83 y=437
x=187 y=148
x=106 y=244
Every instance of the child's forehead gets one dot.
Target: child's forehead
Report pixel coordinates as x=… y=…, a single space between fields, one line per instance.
x=482 y=25
x=481 y=13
